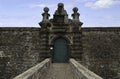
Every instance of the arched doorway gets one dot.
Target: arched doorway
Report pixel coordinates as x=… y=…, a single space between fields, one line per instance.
x=60 y=54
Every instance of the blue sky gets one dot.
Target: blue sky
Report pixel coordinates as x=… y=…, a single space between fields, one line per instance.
x=27 y=13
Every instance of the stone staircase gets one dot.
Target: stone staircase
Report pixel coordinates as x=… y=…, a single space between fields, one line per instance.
x=59 y=71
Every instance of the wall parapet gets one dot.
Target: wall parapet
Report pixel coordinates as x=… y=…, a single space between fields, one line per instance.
x=36 y=71
x=20 y=28
x=81 y=72
x=84 y=29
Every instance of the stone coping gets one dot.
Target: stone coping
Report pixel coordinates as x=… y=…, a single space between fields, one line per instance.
x=82 y=72
x=36 y=71
x=20 y=28
x=38 y=28
x=100 y=28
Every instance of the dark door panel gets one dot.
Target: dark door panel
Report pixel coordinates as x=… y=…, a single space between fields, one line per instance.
x=60 y=51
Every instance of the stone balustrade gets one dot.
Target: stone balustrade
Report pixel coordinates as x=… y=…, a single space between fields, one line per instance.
x=36 y=71
x=81 y=72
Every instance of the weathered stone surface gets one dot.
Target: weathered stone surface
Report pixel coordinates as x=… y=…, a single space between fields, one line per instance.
x=101 y=47
x=59 y=71
x=3 y=64
x=22 y=46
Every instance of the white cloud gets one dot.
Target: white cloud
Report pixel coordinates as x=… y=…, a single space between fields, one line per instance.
x=81 y=0
x=49 y=6
x=42 y=5
x=101 y=3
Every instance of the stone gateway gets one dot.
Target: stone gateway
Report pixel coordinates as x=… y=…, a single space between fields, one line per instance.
x=63 y=34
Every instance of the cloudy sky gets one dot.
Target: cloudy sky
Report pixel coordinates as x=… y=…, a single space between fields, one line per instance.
x=27 y=13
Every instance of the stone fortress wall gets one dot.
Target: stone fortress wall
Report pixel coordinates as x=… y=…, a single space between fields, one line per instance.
x=101 y=49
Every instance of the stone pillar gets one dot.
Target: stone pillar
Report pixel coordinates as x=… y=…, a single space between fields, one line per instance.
x=44 y=33
x=76 y=51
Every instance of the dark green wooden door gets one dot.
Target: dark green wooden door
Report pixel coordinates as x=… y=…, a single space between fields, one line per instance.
x=60 y=51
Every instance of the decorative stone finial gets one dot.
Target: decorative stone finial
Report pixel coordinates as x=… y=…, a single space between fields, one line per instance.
x=60 y=5
x=46 y=14
x=46 y=9
x=60 y=15
x=60 y=10
x=75 y=15
x=45 y=22
x=75 y=9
